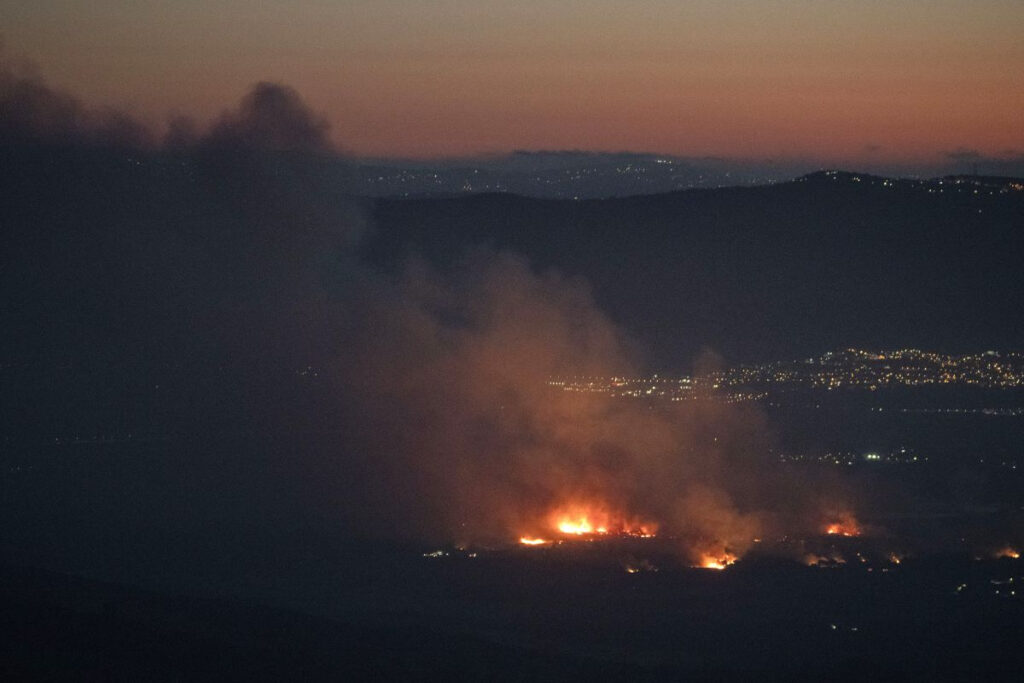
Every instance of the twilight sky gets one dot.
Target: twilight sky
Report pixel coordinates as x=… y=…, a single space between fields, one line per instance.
x=892 y=81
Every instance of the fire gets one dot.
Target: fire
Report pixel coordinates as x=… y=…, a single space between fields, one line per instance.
x=526 y=540
x=716 y=560
x=1008 y=552
x=845 y=526
x=587 y=521
x=714 y=556
x=830 y=560
x=596 y=519
x=634 y=566
x=579 y=527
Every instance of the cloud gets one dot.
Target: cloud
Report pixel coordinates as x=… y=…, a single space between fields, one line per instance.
x=33 y=113
x=272 y=117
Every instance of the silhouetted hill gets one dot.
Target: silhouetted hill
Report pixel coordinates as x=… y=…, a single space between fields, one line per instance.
x=562 y=174
x=509 y=618
x=829 y=260
x=57 y=627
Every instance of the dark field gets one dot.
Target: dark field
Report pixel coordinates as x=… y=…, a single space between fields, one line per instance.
x=212 y=576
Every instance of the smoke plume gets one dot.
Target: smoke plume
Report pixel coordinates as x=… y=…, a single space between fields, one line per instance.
x=223 y=267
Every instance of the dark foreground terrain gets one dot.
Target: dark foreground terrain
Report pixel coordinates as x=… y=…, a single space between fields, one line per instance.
x=178 y=560
x=523 y=615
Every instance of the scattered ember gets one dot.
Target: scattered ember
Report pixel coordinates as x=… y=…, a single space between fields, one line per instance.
x=634 y=566
x=832 y=560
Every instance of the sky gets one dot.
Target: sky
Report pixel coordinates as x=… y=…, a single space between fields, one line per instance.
x=859 y=80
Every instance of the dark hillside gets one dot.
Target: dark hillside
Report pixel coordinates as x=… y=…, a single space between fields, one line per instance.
x=827 y=261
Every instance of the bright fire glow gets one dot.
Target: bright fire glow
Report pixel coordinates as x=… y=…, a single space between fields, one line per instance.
x=591 y=519
x=1009 y=552
x=525 y=540
x=579 y=527
x=845 y=526
x=716 y=560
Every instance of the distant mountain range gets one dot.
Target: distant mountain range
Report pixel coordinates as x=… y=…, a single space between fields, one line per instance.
x=562 y=175
x=599 y=175
x=129 y=273
x=830 y=260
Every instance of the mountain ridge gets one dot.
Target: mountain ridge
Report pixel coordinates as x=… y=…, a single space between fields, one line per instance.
x=884 y=262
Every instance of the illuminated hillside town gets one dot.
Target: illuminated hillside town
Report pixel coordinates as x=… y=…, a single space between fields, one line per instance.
x=849 y=369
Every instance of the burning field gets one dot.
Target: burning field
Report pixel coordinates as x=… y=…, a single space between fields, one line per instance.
x=592 y=534
x=620 y=535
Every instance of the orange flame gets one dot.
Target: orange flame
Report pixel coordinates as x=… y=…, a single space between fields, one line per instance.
x=845 y=526
x=579 y=527
x=526 y=540
x=714 y=555
x=1008 y=552
x=596 y=519
x=716 y=560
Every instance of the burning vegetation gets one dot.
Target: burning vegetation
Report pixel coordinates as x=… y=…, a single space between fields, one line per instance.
x=582 y=520
x=635 y=566
x=1007 y=552
x=597 y=522
x=828 y=559
x=719 y=560
x=589 y=521
x=845 y=525
x=602 y=533
x=526 y=540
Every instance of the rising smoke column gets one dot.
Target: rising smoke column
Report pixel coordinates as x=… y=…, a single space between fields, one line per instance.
x=450 y=373
x=231 y=252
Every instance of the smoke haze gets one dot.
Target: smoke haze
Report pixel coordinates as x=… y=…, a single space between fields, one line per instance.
x=223 y=267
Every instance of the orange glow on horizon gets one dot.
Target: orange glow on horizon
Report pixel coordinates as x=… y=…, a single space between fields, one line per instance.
x=857 y=81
